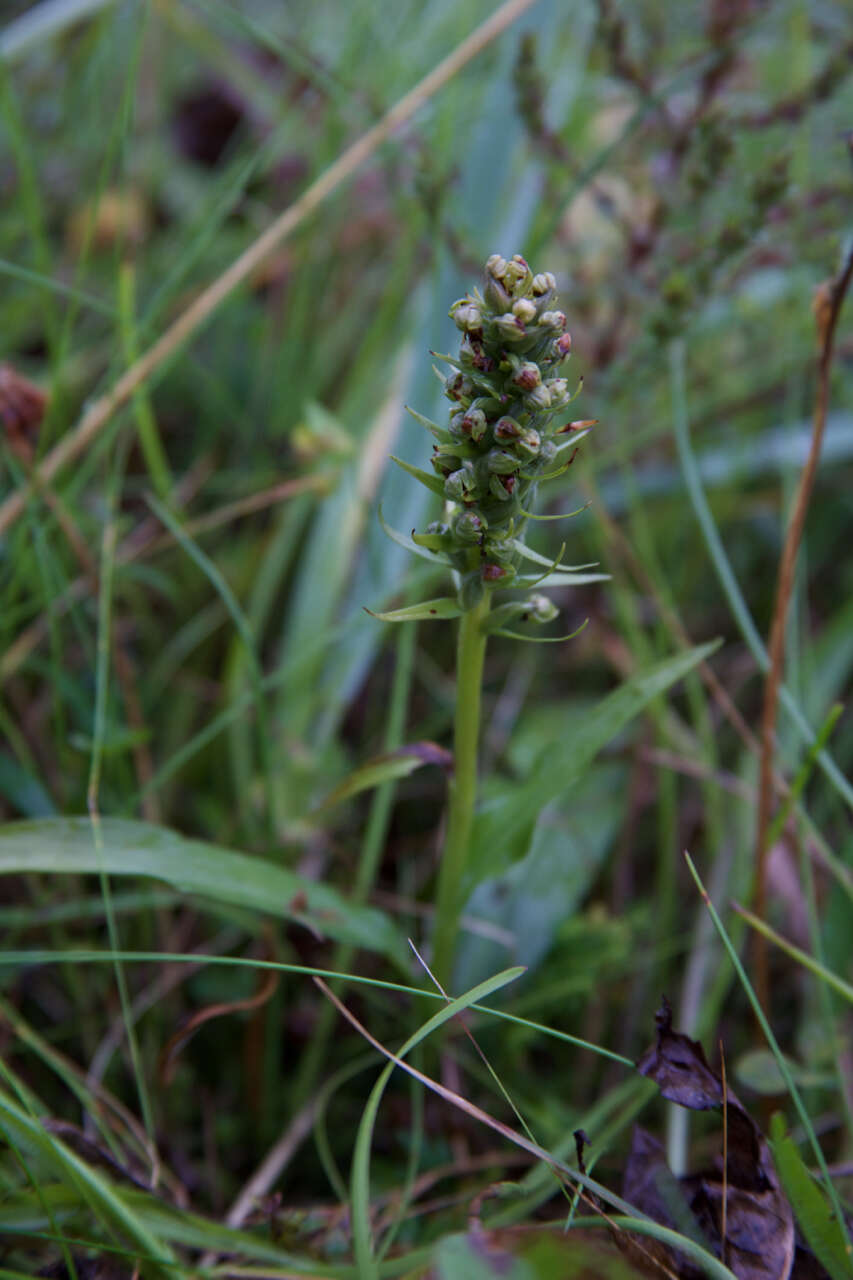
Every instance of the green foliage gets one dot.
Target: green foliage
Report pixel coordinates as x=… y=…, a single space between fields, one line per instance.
x=824 y=1234
x=119 y=847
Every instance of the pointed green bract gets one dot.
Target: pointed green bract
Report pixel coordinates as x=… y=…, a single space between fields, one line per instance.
x=426 y=611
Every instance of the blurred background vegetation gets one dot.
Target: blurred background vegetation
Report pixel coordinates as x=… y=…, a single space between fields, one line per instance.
x=182 y=630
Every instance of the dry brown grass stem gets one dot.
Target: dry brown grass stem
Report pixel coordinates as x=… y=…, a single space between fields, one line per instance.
x=190 y=321
x=827 y=308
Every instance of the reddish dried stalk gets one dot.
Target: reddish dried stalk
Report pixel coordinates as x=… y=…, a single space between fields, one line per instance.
x=827 y=307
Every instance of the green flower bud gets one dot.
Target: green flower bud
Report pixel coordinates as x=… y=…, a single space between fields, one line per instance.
x=458 y=387
x=562 y=346
x=507 y=429
x=502 y=487
x=529 y=443
x=495 y=295
x=502 y=552
x=545 y=282
x=461 y=484
x=502 y=463
x=469 y=527
x=473 y=424
x=466 y=316
x=524 y=310
x=541 y=609
x=560 y=394
x=517 y=276
x=472 y=355
x=539 y=398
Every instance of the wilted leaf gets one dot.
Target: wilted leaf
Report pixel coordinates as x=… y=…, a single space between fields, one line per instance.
x=759 y=1223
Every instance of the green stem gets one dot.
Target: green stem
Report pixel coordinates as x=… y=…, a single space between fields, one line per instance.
x=463 y=787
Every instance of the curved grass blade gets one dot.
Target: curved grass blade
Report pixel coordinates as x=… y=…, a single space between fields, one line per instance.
x=360 y=1181
x=725 y=573
x=158 y=1260
x=802 y=957
x=781 y=1061
x=822 y=1230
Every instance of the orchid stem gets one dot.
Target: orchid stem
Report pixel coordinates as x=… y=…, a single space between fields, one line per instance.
x=463 y=788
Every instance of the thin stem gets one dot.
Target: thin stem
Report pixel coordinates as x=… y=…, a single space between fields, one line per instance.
x=471 y=653
x=827 y=310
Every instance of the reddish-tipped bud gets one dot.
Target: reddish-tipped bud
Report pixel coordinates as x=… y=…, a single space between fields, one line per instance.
x=507 y=429
x=473 y=424
x=528 y=376
x=469 y=527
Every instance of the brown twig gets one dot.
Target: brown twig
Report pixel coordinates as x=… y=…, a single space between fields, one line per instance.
x=190 y=321
x=827 y=307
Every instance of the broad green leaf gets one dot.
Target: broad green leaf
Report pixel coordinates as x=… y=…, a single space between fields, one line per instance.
x=67 y=846
x=387 y=767
x=824 y=1234
x=426 y=611
x=468 y=1257
x=502 y=830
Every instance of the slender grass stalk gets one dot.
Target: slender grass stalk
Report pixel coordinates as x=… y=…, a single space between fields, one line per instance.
x=471 y=653
x=371 y=853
